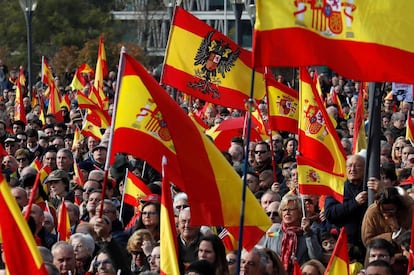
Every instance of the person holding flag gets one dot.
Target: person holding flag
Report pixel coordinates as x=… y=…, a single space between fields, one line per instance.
x=351 y=212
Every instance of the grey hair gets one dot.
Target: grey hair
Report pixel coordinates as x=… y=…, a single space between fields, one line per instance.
x=86 y=240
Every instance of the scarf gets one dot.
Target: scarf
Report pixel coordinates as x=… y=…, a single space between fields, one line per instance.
x=289 y=245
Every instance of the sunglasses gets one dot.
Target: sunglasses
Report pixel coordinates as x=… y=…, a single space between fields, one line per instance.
x=21 y=159
x=272 y=214
x=180 y=207
x=260 y=152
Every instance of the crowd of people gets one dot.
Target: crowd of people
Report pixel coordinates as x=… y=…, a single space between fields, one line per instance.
x=304 y=228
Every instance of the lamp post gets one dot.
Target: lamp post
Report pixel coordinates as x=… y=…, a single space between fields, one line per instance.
x=28 y=7
x=170 y=5
x=238 y=10
x=250 y=7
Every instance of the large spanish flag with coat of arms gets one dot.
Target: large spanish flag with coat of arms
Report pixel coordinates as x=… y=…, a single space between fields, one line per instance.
x=321 y=160
x=283 y=106
x=369 y=40
x=147 y=116
x=206 y=64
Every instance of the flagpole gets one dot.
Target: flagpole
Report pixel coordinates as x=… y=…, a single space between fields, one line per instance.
x=143 y=168
x=372 y=163
x=111 y=133
x=32 y=195
x=269 y=131
x=250 y=104
x=123 y=195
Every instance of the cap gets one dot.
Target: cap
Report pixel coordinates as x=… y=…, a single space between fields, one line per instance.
x=58 y=175
x=11 y=139
x=99 y=146
x=150 y=198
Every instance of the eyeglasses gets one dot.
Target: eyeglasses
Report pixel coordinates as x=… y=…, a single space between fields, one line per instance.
x=289 y=210
x=21 y=140
x=88 y=190
x=149 y=213
x=272 y=214
x=98 y=263
x=260 y=152
x=21 y=159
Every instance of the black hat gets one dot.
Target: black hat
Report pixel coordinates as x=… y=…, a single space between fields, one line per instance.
x=201 y=267
x=119 y=167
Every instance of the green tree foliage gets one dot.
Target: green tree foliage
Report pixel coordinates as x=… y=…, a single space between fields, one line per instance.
x=66 y=32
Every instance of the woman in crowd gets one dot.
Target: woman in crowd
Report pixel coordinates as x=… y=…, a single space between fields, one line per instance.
x=83 y=246
x=105 y=263
x=313 y=267
x=212 y=249
x=396 y=153
x=294 y=238
x=388 y=217
x=150 y=219
x=139 y=247
x=274 y=265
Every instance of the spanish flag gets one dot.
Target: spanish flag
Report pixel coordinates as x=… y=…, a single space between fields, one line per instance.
x=54 y=103
x=339 y=262
x=19 y=111
x=135 y=189
x=19 y=247
x=346 y=36
x=321 y=159
x=63 y=227
x=206 y=64
x=79 y=82
x=168 y=233
x=78 y=177
x=283 y=106
x=410 y=129
x=101 y=71
x=359 y=140
x=160 y=127
x=47 y=75
x=103 y=118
